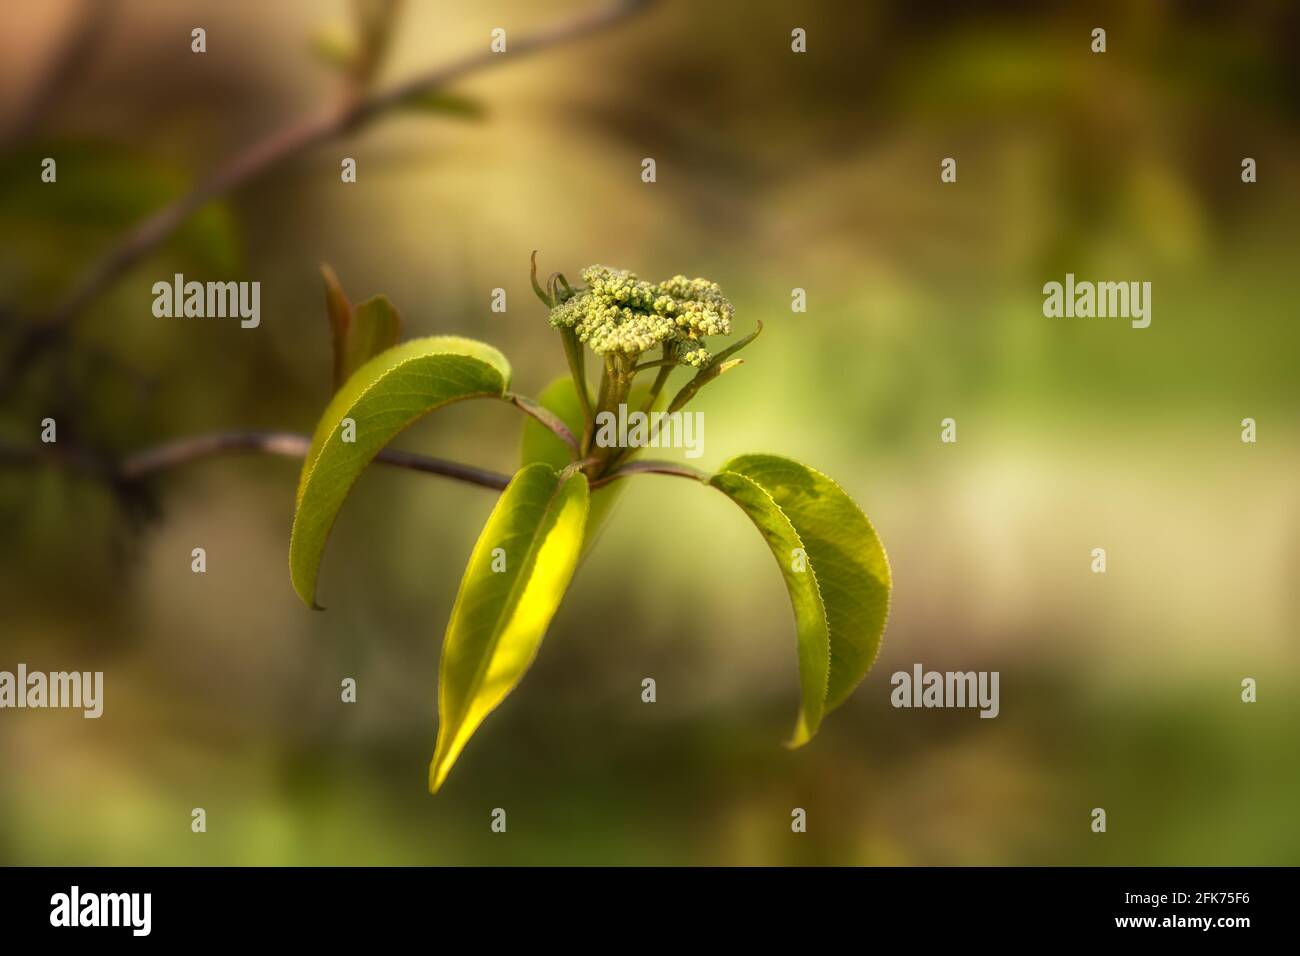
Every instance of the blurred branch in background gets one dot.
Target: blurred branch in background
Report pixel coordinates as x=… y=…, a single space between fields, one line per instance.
x=151 y=461
x=354 y=108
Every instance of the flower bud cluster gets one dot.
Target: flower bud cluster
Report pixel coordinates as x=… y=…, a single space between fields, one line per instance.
x=618 y=312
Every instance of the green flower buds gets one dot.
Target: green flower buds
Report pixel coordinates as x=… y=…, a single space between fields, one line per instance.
x=617 y=312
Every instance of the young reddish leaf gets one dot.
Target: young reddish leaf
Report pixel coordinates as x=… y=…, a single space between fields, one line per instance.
x=376 y=327
x=339 y=311
x=358 y=333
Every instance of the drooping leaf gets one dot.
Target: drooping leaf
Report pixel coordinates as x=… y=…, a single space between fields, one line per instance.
x=539 y=443
x=814 y=646
x=847 y=573
x=506 y=601
x=381 y=398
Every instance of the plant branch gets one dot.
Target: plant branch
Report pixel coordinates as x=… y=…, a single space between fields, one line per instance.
x=658 y=363
x=576 y=357
x=274 y=149
x=573 y=353
x=651 y=468
x=666 y=367
x=151 y=461
x=589 y=430
x=614 y=392
x=547 y=417
x=661 y=379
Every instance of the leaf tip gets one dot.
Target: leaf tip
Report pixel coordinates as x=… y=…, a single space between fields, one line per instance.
x=306 y=590
x=309 y=600
x=438 y=770
x=802 y=734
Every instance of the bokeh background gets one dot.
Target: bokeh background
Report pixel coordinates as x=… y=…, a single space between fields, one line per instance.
x=775 y=170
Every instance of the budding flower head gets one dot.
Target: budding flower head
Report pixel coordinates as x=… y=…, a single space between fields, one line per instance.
x=617 y=312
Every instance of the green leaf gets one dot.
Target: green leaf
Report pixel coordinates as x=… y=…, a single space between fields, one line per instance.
x=506 y=601
x=814 y=643
x=335 y=45
x=382 y=397
x=539 y=443
x=444 y=104
x=841 y=600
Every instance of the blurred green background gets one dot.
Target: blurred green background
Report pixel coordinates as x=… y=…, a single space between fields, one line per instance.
x=775 y=171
